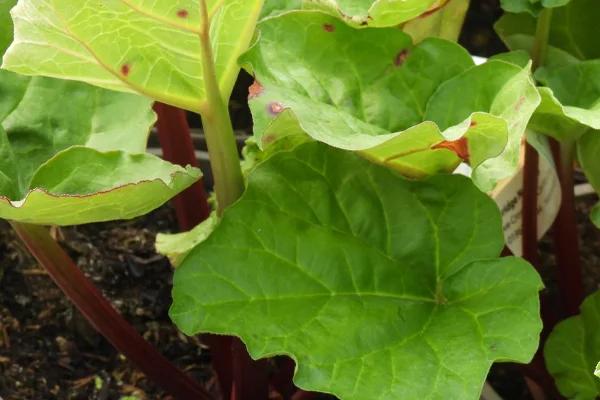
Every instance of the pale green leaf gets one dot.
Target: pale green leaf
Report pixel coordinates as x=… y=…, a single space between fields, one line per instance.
x=570 y=100
x=444 y=21
x=588 y=149
x=409 y=99
x=574 y=30
x=374 y=284
x=381 y=13
x=146 y=46
x=177 y=246
x=66 y=154
x=572 y=352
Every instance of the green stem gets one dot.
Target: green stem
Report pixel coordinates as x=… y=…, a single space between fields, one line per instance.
x=540 y=46
x=220 y=139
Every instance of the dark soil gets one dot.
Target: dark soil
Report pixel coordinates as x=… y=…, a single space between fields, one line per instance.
x=47 y=349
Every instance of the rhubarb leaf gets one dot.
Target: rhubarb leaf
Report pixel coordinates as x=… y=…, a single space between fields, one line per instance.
x=588 y=149
x=532 y=7
x=150 y=47
x=374 y=284
x=570 y=100
x=404 y=106
x=574 y=30
x=572 y=352
x=177 y=246
x=68 y=154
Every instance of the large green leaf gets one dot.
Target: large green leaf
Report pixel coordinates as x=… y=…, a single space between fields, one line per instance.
x=573 y=350
x=379 y=287
x=588 y=149
x=67 y=154
x=146 y=46
x=574 y=29
x=397 y=103
x=570 y=100
x=532 y=7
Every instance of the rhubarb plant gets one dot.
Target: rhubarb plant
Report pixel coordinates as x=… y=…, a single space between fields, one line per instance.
x=572 y=352
x=347 y=243
x=570 y=80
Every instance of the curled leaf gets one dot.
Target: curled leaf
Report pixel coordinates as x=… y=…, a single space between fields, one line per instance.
x=78 y=161
x=393 y=102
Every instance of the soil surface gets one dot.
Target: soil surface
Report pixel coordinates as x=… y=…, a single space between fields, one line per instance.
x=48 y=351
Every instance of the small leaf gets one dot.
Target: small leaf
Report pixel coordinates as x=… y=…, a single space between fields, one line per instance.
x=574 y=30
x=573 y=350
x=372 y=283
x=145 y=46
x=532 y=7
x=570 y=100
x=588 y=149
x=177 y=246
x=378 y=102
x=66 y=154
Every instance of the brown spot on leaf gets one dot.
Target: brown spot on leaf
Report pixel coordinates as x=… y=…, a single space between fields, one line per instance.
x=473 y=124
x=125 y=69
x=268 y=139
x=329 y=28
x=520 y=103
x=401 y=58
x=275 y=108
x=183 y=13
x=255 y=90
x=460 y=147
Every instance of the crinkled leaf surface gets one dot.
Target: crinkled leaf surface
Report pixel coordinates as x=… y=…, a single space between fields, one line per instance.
x=570 y=100
x=146 y=46
x=588 y=149
x=573 y=350
x=371 y=90
x=66 y=154
x=379 y=287
x=574 y=29
x=533 y=7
